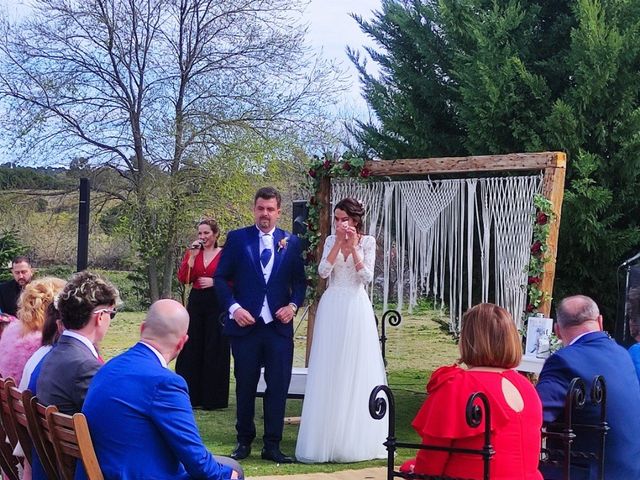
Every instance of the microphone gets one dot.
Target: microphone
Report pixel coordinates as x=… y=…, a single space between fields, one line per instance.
x=630 y=260
x=197 y=246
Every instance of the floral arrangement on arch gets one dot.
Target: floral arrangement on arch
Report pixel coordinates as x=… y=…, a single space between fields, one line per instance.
x=327 y=166
x=544 y=216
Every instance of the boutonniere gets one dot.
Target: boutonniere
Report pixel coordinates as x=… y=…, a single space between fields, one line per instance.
x=282 y=244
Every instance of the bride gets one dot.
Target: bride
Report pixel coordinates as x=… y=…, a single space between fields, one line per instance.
x=345 y=361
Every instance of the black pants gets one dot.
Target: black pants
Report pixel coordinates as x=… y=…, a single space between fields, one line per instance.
x=204 y=361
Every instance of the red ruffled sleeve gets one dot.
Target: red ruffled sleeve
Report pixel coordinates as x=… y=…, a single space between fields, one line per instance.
x=443 y=413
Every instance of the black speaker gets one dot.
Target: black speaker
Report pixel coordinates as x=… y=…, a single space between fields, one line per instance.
x=83 y=225
x=629 y=280
x=300 y=213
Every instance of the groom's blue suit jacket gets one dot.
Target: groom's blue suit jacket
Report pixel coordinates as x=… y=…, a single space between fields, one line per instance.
x=239 y=278
x=142 y=424
x=591 y=355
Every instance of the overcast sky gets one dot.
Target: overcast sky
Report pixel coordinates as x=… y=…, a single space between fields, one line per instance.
x=331 y=29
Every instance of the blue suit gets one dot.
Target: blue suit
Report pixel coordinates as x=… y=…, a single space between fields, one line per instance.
x=239 y=279
x=141 y=422
x=591 y=355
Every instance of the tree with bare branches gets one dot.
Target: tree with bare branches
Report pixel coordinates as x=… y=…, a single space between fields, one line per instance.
x=151 y=88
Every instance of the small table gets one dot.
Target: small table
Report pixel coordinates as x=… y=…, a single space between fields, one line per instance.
x=296 y=387
x=530 y=363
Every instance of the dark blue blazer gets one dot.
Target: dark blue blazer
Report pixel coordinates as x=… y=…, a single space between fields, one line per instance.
x=141 y=422
x=239 y=278
x=591 y=355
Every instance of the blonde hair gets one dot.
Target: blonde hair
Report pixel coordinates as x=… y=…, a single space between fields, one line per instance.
x=489 y=338
x=34 y=300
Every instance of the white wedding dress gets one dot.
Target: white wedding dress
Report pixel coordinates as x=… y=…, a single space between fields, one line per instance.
x=345 y=364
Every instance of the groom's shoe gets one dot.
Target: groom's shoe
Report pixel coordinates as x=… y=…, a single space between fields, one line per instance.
x=275 y=455
x=241 y=452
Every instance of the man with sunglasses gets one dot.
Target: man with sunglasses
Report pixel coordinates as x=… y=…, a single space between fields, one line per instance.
x=86 y=307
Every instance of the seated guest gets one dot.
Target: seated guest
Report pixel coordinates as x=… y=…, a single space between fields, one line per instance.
x=589 y=352
x=139 y=412
x=24 y=336
x=51 y=331
x=633 y=312
x=490 y=347
x=86 y=307
x=10 y=291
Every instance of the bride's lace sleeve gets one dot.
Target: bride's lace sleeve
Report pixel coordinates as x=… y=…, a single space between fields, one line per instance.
x=324 y=267
x=368 y=259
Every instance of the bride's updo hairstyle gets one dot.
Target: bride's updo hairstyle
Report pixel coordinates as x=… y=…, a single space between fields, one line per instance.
x=354 y=209
x=489 y=338
x=83 y=293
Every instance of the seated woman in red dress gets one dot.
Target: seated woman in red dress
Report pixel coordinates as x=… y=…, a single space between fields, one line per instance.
x=490 y=347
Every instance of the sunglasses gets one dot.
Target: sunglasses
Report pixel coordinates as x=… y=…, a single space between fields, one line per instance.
x=112 y=313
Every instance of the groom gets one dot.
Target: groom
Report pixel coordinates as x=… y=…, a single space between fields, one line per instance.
x=260 y=280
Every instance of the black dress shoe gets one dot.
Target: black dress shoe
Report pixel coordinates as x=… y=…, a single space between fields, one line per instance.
x=276 y=455
x=242 y=451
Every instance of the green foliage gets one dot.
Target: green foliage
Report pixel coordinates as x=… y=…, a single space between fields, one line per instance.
x=10 y=247
x=519 y=77
x=29 y=178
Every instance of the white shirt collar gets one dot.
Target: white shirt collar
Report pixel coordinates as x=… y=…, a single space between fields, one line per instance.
x=83 y=339
x=156 y=352
x=270 y=232
x=580 y=336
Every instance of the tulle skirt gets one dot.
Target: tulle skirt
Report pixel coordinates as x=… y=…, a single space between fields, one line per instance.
x=345 y=364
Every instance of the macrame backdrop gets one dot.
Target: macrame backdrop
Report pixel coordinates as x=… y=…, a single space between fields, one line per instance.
x=435 y=231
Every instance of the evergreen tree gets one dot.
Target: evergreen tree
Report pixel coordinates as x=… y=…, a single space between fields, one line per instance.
x=521 y=77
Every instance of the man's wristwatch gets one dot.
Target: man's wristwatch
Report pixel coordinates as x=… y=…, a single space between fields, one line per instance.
x=294 y=307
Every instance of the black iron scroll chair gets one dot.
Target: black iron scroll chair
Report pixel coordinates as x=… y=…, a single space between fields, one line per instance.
x=475 y=414
x=393 y=318
x=559 y=451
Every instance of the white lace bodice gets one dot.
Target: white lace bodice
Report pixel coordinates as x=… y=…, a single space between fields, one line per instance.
x=343 y=273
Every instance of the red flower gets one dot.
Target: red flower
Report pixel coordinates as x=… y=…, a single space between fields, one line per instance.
x=312 y=201
x=541 y=218
x=312 y=173
x=530 y=308
x=326 y=164
x=365 y=173
x=534 y=280
x=346 y=166
x=536 y=248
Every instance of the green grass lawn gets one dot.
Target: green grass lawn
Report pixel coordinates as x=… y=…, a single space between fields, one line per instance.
x=414 y=350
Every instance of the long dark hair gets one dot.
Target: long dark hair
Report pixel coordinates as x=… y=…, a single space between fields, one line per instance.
x=354 y=209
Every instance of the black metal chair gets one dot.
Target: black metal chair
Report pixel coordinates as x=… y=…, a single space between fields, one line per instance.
x=560 y=436
x=475 y=414
x=393 y=318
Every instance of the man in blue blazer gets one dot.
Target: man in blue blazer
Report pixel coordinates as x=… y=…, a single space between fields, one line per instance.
x=260 y=280
x=139 y=413
x=589 y=352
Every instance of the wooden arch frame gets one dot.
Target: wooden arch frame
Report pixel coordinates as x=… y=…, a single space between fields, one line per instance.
x=551 y=164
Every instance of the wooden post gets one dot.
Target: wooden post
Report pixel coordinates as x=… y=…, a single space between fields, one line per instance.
x=323 y=197
x=553 y=190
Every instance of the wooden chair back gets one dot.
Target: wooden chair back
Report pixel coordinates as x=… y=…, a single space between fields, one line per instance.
x=20 y=422
x=40 y=435
x=5 y=410
x=72 y=441
x=8 y=462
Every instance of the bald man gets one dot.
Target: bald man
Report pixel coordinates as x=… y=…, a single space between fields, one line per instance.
x=139 y=412
x=589 y=352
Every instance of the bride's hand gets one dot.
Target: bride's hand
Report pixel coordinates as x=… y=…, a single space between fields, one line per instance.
x=342 y=230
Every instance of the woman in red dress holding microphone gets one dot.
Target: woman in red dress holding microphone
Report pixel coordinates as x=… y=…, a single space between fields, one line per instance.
x=204 y=361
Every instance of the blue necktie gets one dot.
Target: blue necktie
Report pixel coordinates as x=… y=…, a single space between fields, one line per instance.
x=265 y=256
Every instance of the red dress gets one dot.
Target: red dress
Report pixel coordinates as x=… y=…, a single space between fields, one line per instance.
x=515 y=435
x=205 y=359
